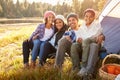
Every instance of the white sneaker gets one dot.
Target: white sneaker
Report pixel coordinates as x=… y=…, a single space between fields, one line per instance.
x=82 y=72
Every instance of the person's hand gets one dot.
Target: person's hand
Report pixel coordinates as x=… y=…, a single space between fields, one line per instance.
x=79 y=40
x=35 y=37
x=68 y=38
x=99 y=39
x=28 y=40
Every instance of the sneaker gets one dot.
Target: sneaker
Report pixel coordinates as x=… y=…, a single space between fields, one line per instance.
x=32 y=64
x=41 y=63
x=82 y=72
x=75 y=70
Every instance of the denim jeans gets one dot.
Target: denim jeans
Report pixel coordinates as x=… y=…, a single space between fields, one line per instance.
x=46 y=49
x=36 y=48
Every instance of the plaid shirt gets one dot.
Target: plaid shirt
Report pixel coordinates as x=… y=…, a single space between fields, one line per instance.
x=39 y=30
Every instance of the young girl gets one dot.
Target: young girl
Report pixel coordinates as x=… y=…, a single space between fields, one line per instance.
x=43 y=33
x=51 y=46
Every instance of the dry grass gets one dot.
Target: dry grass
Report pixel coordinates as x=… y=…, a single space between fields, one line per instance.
x=11 y=65
x=11 y=42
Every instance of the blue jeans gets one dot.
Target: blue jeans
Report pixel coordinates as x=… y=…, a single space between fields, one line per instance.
x=36 y=48
x=46 y=49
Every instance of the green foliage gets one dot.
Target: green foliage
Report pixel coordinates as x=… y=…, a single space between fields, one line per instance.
x=17 y=10
x=87 y=4
x=0 y=9
x=76 y=6
x=101 y=4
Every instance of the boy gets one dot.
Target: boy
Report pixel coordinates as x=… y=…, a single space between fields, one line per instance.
x=68 y=38
x=87 y=45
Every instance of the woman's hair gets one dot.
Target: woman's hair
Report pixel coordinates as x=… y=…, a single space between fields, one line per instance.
x=61 y=17
x=55 y=25
x=46 y=20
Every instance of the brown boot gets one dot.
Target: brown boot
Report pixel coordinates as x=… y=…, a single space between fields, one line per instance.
x=33 y=64
x=26 y=65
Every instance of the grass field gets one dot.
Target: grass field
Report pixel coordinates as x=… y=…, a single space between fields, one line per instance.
x=11 y=65
x=11 y=59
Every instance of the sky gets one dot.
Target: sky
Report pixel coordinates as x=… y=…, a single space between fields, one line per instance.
x=53 y=2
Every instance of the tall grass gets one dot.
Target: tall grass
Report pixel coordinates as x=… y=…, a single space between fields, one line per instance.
x=13 y=36
x=11 y=44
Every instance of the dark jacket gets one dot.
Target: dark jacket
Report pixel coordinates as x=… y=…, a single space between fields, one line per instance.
x=60 y=34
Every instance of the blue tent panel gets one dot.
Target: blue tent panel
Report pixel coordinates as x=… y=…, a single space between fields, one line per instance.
x=111 y=30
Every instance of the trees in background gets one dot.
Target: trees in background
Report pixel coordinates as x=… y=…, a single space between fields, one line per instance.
x=1 y=10
x=76 y=6
x=9 y=9
x=101 y=4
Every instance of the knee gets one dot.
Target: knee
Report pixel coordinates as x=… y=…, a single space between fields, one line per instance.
x=62 y=41
x=86 y=42
x=36 y=41
x=73 y=46
x=25 y=42
x=44 y=44
x=94 y=45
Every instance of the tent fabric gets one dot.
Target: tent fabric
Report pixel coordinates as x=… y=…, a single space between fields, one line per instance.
x=111 y=31
x=110 y=6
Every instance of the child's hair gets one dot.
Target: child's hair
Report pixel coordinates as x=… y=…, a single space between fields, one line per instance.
x=90 y=10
